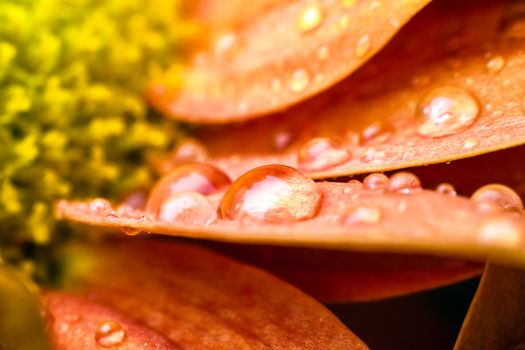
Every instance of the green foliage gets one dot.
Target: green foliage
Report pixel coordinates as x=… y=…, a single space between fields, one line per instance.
x=73 y=122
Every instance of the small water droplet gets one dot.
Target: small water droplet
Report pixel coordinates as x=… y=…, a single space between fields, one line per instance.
x=226 y=43
x=310 y=18
x=364 y=215
x=109 y=333
x=190 y=150
x=376 y=182
x=502 y=232
x=363 y=46
x=271 y=193
x=187 y=207
x=470 y=143
x=446 y=189
x=299 y=81
x=281 y=140
x=323 y=53
x=130 y=231
x=322 y=153
x=377 y=132
x=191 y=177
x=404 y=182
x=495 y=64
x=100 y=206
x=499 y=196
x=446 y=110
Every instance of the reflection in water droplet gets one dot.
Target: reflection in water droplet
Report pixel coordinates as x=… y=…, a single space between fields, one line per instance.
x=272 y=193
x=446 y=189
x=495 y=64
x=192 y=177
x=299 y=80
x=364 y=215
x=404 y=182
x=187 y=207
x=376 y=182
x=446 y=110
x=321 y=154
x=310 y=18
x=499 y=196
x=109 y=333
x=363 y=46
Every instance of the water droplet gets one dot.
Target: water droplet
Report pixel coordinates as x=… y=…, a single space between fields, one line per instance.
x=272 y=193
x=446 y=110
x=130 y=231
x=322 y=153
x=363 y=46
x=192 y=177
x=364 y=215
x=495 y=64
x=109 y=333
x=188 y=207
x=299 y=81
x=470 y=143
x=446 y=189
x=281 y=140
x=404 y=182
x=376 y=182
x=502 y=232
x=499 y=196
x=310 y=18
x=190 y=150
x=323 y=53
x=100 y=206
x=376 y=132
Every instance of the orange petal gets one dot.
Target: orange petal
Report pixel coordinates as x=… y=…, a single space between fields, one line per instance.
x=351 y=217
x=338 y=276
x=276 y=59
x=78 y=323
x=496 y=316
x=194 y=298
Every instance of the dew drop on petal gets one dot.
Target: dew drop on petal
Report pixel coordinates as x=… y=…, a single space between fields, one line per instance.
x=495 y=64
x=364 y=215
x=310 y=18
x=190 y=150
x=445 y=111
x=322 y=153
x=499 y=196
x=187 y=207
x=363 y=46
x=109 y=333
x=446 y=189
x=376 y=182
x=281 y=140
x=470 y=143
x=271 y=193
x=299 y=80
x=130 y=231
x=404 y=182
x=377 y=132
x=192 y=177
x=100 y=206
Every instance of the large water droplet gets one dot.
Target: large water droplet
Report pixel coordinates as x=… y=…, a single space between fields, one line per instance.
x=272 y=193
x=376 y=182
x=321 y=154
x=109 y=333
x=363 y=46
x=446 y=110
x=498 y=196
x=299 y=80
x=310 y=18
x=187 y=207
x=192 y=177
x=404 y=182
